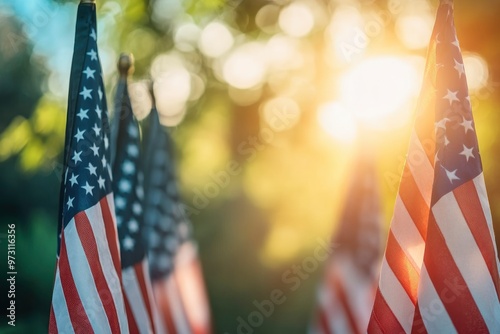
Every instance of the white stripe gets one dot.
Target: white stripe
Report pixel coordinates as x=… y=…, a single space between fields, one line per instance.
x=483 y=198
x=159 y=325
x=134 y=295
x=60 y=308
x=177 y=307
x=396 y=297
x=434 y=314
x=94 y=215
x=84 y=281
x=421 y=168
x=468 y=258
x=335 y=316
x=111 y=203
x=407 y=234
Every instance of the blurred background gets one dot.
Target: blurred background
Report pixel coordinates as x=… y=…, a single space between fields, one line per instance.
x=269 y=103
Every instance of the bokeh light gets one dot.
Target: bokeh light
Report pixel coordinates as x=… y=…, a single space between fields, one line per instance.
x=215 y=40
x=338 y=122
x=296 y=19
x=245 y=66
x=477 y=71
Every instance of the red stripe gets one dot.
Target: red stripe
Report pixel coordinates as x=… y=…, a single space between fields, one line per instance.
x=111 y=235
x=382 y=319
x=324 y=326
x=418 y=326
x=402 y=267
x=76 y=311
x=414 y=202
x=52 y=322
x=132 y=325
x=161 y=293
x=340 y=291
x=139 y=273
x=446 y=277
x=89 y=244
x=470 y=205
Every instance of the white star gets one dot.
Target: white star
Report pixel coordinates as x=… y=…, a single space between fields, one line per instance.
x=452 y=176
x=451 y=96
x=89 y=72
x=132 y=150
x=96 y=129
x=128 y=243
x=132 y=131
x=93 y=34
x=76 y=156
x=133 y=226
x=120 y=202
x=467 y=125
x=79 y=135
x=99 y=91
x=455 y=42
x=70 y=202
x=442 y=123
x=106 y=142
x=91 y=169
x=140 y=192
x=73 y=179
x=128 y=167
x=83 y=114
x=88 y=188
x=103 y=161
x=95 y=149
x=446 y=141
x=136 y=208
x=98 y=111
x=125 y=186
x=460 y=68
x=86 y=93
x=101 y=181
x=92 y=54
x=467 y=153
x=119 y=220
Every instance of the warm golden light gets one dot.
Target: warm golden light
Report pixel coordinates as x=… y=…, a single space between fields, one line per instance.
x=296 y=20
x=245 y=66
x=477 y=71
x=415 y=30
x=378 y=88
x=337 y=121
x=215 y=40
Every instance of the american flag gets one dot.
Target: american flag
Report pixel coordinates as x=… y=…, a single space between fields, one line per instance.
x=175 y=271
x=345 y=298
x=440 y=271
x=87 y=295
x=129 y=194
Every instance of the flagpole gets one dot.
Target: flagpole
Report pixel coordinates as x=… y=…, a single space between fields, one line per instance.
x=125 y=65
x=87 y=1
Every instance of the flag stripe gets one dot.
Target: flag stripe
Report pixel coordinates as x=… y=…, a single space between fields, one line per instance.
x=107 y=210
x=77 y=312
x=134 y=295
x=346 y=307
x=140 y=269
x=414 y=202
x=474 y=287
x=161 y=295
x=421 y=169
x=323 y=324
x=468 y=200
x=383 y=319
x=89 y=246
x=106 y=254
x=431 y=308
x=404 y=269
x=60 y=317
x=443 y=271
x=132 y=325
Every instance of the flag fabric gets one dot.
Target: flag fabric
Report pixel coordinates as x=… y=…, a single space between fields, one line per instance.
x=346 y=296
x=129 y=194
x=87 y=296
x=440 y=270
x=175 y=270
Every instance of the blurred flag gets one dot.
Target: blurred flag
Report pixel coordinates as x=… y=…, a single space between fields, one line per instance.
x=129 y=193
x=87 y=295
x=345 y=298
x=176 y=273
x=440 y=271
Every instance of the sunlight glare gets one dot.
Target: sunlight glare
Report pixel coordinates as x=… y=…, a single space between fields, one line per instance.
x=379 y=87
x=296 y=20
x=337 y=122
x=477 y=71
x=245 y=66
x=414 y=31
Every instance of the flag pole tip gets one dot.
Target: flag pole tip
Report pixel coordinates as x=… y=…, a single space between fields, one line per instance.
x=126 y=64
